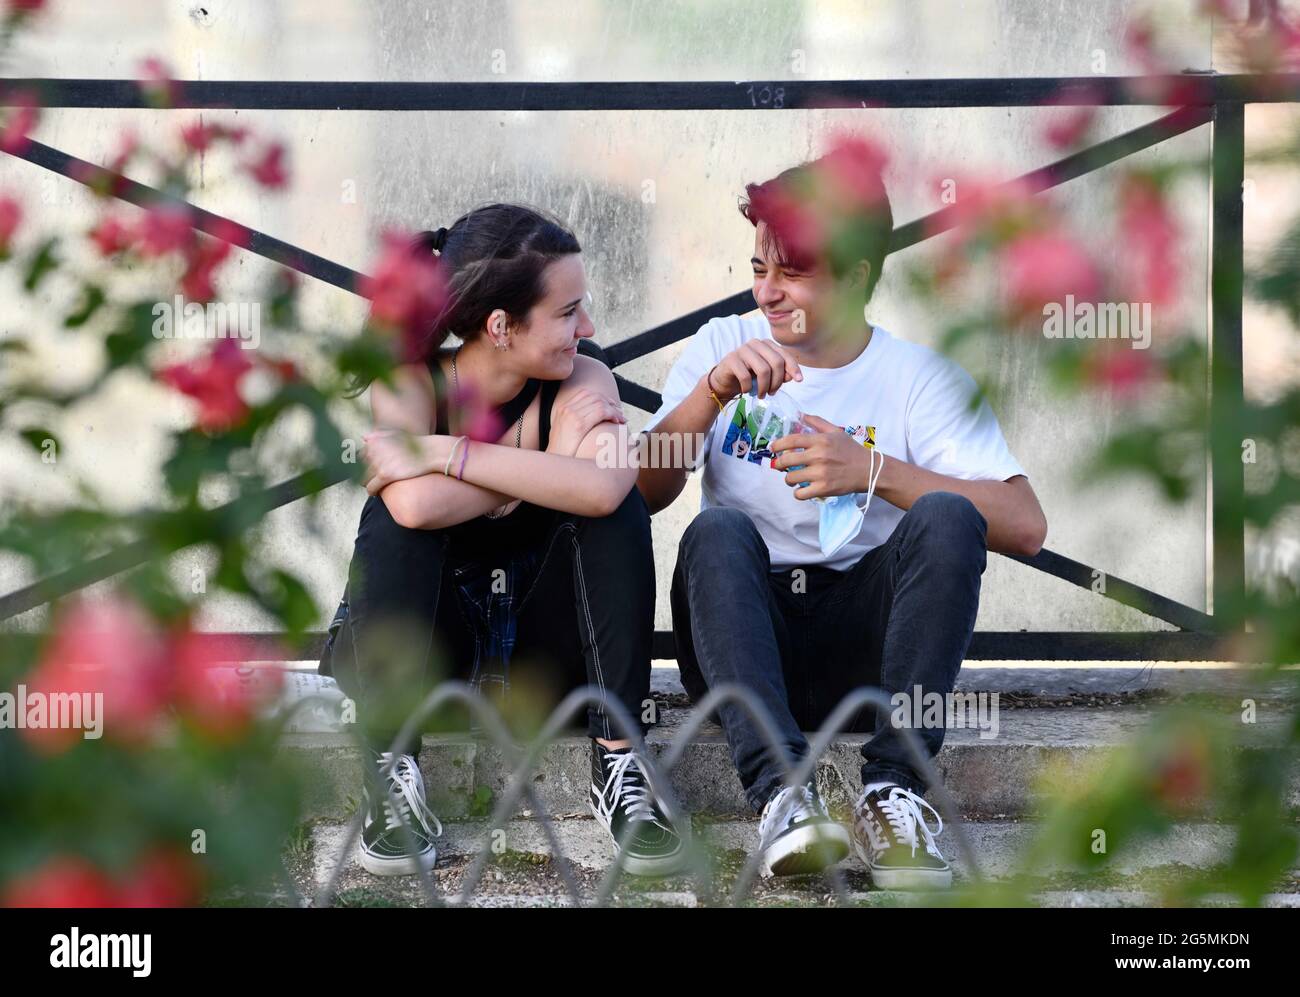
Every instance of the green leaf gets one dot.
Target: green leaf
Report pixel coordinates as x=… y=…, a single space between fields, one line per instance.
x=43 y=262
x=92 y=297
x=37 y=438
x=133 y=335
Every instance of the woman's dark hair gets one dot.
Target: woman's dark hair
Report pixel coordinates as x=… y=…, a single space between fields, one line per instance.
x=495 y=256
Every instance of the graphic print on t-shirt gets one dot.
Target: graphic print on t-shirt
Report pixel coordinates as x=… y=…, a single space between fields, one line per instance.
x=753 y=427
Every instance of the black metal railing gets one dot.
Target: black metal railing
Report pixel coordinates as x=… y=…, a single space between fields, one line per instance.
x=1209 y=98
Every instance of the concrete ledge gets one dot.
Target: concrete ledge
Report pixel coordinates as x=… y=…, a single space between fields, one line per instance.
x=1000 y=776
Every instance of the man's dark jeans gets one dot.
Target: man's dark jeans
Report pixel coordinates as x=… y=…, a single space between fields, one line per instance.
x=802 y=639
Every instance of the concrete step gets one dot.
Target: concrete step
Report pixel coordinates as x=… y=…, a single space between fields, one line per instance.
x=1036 y=748
x=523 y=871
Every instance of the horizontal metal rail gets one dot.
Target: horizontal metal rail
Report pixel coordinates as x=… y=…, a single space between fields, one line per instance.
x=702 y=95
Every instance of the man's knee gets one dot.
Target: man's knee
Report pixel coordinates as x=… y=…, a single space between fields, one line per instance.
x=947 y=525
x=719 y=528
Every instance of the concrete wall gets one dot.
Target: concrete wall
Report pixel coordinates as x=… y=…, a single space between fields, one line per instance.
x=357 y=172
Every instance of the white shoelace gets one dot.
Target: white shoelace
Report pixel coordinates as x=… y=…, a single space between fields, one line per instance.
x=408 y=786
x=902 y=808
x=635 y=796
x=784 y=806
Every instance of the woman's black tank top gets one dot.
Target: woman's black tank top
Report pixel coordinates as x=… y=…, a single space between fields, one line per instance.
x=529 y=524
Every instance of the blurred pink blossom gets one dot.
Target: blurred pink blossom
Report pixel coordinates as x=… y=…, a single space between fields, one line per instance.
x=407 y=293
x=1045 y=266
x=11 y=216
x=23 y=117
x=1150 y=240
x=213 y=381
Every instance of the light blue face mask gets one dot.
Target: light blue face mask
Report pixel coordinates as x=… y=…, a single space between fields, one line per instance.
x=840 y=517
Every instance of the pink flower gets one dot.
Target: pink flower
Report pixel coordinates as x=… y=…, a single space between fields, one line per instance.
x=474 y=417
x=128 y=144
x=23 y=118
x=407 y=293
x=112 y=235
x=63 y=881
x=164 y=229
x=219 y=699
x=1067 y=127
x=1151 y=237
x=853 y=169
x=164 y=876
x=203 y=257
x=198 y=136
x=1045 y=266
x=982 y=204
x=269 y=169
x=157 y=85
x=792 y=220
x=105 y=647
x=231 y=232
x=11 y=216
x=214 y=383
x=24 y=8
x=1122 y=371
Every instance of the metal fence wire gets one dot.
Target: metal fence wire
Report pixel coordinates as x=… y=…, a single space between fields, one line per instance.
x=524 y=759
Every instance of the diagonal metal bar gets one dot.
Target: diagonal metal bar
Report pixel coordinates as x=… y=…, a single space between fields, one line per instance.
x=142 y=195
x=1054 y=174
x=668 y=95
x=1119 y=590
x=248 y=508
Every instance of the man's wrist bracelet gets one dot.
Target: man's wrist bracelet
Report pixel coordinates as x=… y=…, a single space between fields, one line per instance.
x=708 y=383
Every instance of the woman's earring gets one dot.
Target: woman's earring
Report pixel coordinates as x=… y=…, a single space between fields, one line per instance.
x=501 y=344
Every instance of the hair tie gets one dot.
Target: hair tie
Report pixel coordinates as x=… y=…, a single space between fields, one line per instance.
x=438 y=239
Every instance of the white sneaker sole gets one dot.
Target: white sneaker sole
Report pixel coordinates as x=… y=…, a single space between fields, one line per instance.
x=635 y=865
x=805 y=850
x=903 y=879
x=405 y=865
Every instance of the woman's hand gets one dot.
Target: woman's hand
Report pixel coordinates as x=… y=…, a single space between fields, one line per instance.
x=576 y=416
x=395 y=455
x=756 y=363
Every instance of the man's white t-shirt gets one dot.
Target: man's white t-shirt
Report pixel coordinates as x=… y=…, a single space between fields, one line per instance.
x=914 y=402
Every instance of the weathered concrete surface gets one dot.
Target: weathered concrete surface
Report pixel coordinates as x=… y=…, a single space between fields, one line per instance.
x=525 y=876
x=1000 y=776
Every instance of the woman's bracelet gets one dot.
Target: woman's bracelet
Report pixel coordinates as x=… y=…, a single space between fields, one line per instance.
x=446 y=468
x=708 y=383
x=464 y=455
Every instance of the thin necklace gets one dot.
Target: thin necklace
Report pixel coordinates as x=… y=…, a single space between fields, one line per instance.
x=455 y=383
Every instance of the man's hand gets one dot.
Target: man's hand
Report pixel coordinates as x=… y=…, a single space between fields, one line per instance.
x=756 y=363
x=395 y=455
x=830 y=461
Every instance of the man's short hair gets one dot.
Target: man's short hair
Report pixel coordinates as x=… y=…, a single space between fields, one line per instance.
x=859 y=199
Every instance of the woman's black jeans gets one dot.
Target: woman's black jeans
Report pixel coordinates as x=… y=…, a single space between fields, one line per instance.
x=581 y=594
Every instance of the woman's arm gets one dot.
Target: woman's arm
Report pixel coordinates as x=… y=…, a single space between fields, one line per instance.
x=593 y=481
x=429 y=501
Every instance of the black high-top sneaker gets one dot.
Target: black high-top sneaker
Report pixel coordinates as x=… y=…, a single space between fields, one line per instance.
x=624 y=802
x=894 y=841
x=386 y=849
x=796 y=834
